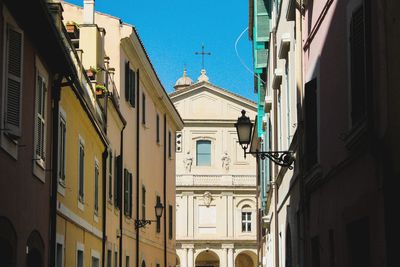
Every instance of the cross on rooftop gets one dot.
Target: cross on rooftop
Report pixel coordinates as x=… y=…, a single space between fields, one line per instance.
x=202 y=53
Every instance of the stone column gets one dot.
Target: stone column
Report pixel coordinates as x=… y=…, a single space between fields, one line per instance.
x=230 y=257
x=184 y=258
x=190 y=258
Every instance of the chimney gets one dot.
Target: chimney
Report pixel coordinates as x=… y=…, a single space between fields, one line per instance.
x=88 y=11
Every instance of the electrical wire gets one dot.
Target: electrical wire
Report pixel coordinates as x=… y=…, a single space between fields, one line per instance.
x=241 y=60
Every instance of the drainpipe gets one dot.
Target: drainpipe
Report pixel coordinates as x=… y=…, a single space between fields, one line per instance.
x=56 y=95
x=104 y=170
x=165 y=190
x=137 y=166
x=120 y=192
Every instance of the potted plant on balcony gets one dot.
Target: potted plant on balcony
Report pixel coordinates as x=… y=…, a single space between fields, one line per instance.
x=101 y=90
x=91 y=73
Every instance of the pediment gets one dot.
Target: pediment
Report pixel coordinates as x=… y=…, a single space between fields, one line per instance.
x=207 y=102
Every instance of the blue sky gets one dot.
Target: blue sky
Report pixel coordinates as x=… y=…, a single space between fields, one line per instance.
x=173 y=30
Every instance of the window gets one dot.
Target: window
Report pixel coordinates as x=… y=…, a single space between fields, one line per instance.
x=79 y=258
x=158 y=228
x=118 y=182
x=59 y=255
x=169 y=144
x=62 y=135
x=143 y=108
x=331 y=248
x=158 y=129
x=170 y=221
x=13 y=81
x=311 y=128
x=130 y=84
x=110 y=177
x=116 y=258
x=143 y=202
x=127 y=193
x=96 y=187
x=358 y=66
x=40 y=126
x=81 y=169
x=95 y=262
x=315 y=256
x=358 y=240
x=127 y=261
x=203 y=153
x=246 y=221
x=109 y=257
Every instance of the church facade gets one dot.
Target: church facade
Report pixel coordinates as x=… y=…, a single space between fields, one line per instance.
x=216 y=206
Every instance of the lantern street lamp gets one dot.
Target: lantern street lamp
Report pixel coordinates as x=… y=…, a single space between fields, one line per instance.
x=244 y=128
x=143 y=222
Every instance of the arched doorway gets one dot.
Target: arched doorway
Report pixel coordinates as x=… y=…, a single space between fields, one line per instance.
x=246 y=259
x=8 y=243
x=36 y=250
x=207 y=258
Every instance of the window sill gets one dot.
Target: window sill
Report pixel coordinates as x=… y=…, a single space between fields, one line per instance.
x=9 y=145
x=39 y=170
x=95 y=217
x=61 y=187
x=356 y=136
x=81 y=205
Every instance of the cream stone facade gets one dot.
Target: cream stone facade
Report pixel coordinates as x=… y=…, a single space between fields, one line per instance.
x=216 y=207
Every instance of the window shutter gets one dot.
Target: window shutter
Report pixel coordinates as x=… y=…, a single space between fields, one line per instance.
x=13 y=81
x=119 y=182
x=126 y=192
x=132 y=88
x=81 y=171
x=127 y=80
x=130 y=195
x=116 y=173
x=358 y=76
x=311 y=122
x=40 y=118
x=143 y=108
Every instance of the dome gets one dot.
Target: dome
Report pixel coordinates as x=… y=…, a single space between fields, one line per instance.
x=203 y=77
x=183 y=81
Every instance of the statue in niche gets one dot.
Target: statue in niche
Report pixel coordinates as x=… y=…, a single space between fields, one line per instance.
x=226 y=160
x=188 y=161
x=207 y=198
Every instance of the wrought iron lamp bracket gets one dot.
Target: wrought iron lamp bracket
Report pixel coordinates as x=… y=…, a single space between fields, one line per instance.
x=282 y=158
x=142 y=223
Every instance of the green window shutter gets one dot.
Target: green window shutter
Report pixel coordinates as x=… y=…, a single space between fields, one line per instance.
x=126 y=192
x=127 y=81
x=119 y=182
x=13 y=81
x=81 y=171
x=96 y=188
x=132 y=87
x=130 y=195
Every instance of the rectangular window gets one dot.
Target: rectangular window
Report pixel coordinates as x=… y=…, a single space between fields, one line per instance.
x=127 y=261
x=79 y=258
x=170 y=221
x=40 y=127
x=358 y=240
x=169 y=144
x=158 y=227
x=127 y=193
x=143 y=202
x=331 y=249
x=246 y=221
x=315 y=255
x=116 y=258
x=358 y=67
x=62 y=136
x=59 y=255
x=96 y=188
x=311 y=123
x=118 y=182
x=81 y=173
x=95 y=262
x=203 y=153
x=158 y=129
x=110 y=177
x=13 y=81
x=109 y=258
x=130 y=85
x=143 y=108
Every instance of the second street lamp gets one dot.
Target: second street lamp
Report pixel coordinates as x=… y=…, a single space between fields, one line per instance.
x=143 y=222
x=244 y=128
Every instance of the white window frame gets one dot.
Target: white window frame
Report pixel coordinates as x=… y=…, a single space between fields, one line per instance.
x=80 y=247
x=60 y=240
x=94 y=254
x=246 y=222
x=7 y=142
x=39 y=166
x=62 y=177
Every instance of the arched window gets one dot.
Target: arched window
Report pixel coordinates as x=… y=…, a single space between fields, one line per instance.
x=246 y=219
x=203 y=153
x=143 y=263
